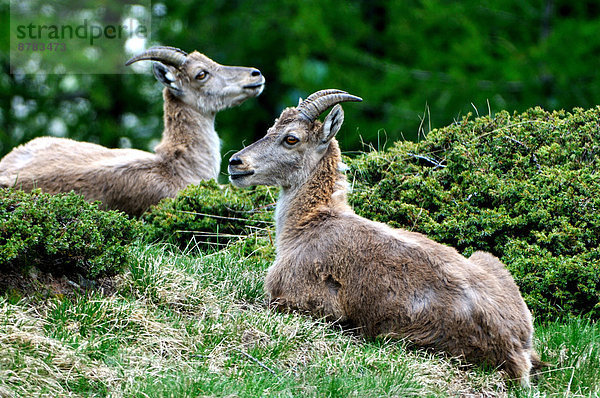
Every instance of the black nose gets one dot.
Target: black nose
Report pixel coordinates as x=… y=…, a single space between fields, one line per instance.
x=235 y=161
x=255 y=72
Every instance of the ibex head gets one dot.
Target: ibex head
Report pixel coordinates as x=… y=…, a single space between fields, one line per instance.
x=291 y=149
x=201 y=82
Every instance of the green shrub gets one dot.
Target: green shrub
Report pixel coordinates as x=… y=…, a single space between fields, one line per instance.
x=62 y=234
x=210 y=215
x=524 y=187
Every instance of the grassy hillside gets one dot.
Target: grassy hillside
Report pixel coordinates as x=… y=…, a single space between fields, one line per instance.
x=188 y=326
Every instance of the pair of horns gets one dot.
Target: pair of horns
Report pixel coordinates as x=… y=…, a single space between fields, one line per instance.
x=167 y=55
x=322 y=100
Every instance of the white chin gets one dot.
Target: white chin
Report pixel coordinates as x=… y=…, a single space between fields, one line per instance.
x=240 y=182
x=238 y=101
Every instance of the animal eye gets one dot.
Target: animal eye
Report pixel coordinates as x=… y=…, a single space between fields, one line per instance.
x=291 y=140
x=201 y=75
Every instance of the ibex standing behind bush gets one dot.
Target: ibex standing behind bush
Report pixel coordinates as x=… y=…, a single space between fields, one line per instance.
x=383 y=281
x=196 y=88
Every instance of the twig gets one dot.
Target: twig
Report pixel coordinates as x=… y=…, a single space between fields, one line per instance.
x=223 y=217
x=570 y=381
x=75 y=285
x=417 y=219
x=533 y=157
x=261 y=364
x=515 y=141
x=514 y=125
x=210 y=234
x=430 y=160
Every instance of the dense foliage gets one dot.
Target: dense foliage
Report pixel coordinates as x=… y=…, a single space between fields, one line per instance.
x=409 y=60
x=62 y=234
x=522 y=186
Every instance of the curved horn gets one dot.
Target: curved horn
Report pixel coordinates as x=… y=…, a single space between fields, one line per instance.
x=318 y=102
x=167 y=55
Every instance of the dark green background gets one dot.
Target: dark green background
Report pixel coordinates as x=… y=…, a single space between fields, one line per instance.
x=417 y=64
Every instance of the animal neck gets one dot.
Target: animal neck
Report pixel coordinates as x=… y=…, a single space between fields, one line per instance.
x=321 y=196
x=189 y=140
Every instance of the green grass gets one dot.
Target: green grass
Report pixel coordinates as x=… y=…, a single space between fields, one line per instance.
x=188 y=326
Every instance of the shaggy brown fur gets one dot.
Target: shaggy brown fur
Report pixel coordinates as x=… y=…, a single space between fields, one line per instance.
x=131 y=180
x=335 y=264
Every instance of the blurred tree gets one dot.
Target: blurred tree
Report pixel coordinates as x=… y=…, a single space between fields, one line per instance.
x=418 y=64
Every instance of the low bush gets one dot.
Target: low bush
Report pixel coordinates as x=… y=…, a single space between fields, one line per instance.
x=524 y=187
x=62 y=234
x=211 y=216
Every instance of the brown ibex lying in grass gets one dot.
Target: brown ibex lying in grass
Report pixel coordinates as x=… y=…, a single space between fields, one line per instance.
x=196 y=88
x=335 y=264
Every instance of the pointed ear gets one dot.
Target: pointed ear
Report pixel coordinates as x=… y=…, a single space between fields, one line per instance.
x=166 y=75
x=331 y=126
